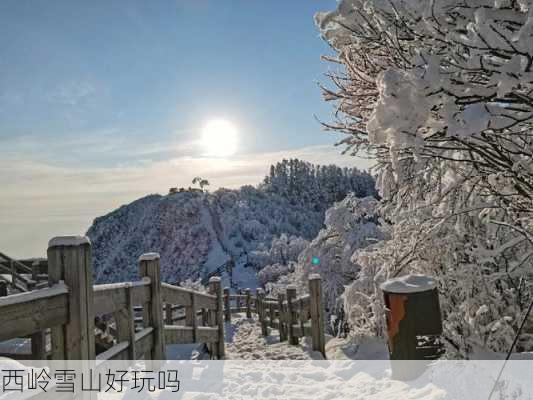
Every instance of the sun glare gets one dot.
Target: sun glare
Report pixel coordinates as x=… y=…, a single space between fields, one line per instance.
x=219 y=138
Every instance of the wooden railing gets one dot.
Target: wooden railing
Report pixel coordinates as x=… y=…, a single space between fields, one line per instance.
x=142 y=317
x=66 y=312
x=295 y=317
x=292 y=317
x=237 y=303
x=23 y=278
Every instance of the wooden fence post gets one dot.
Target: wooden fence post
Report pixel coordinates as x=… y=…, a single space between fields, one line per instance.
x=205 y=318
x=192 y=317
x=125 y=323
x=248 y=304
x=227 y=304
x=317 y=313
x=281 y=318
x=261 y=311
x=69 y=259
x=149 y=267
x=271 y=312
x=168 y=314
x=291 y=320
x=215 y=288
x=35 y=270
x=13 y=272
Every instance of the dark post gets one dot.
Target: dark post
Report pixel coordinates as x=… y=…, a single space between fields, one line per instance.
x=413 y=318
x=227 y=305
x=262 y=311
x=291 y=315
x=316 y=309
x=248 y=304
x=281 y=318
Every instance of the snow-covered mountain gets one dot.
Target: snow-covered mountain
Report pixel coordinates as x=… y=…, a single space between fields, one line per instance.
x=195 y=232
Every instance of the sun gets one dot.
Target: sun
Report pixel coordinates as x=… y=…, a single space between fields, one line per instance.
x=219 y=138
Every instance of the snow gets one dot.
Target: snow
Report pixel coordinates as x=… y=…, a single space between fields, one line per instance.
x=56 y=289
x=217 y=255
x=149 y=257
x=68 y=241
x=196 y=232
x=245 y=342
x=409 y=284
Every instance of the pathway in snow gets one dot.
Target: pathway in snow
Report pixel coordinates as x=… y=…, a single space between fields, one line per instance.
x=245 y=342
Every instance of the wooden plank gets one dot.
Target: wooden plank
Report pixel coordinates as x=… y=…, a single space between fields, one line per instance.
x=175 y=295
x=117 y=352
x=298 y=332
x=168 y=314
x=140 y=291
x=215 y=288
x=149 y=267
x=203 y=300
x=55 y=275
x=70 y=260
x=38 y=345
x=304 y=301
x=144 y=342
x=291 y=315
x=108 y=300
x=227 y=306
x=248 y=303
x=194 y=319
x=22 y=314
x=262 y=312
x=271 y=312
x=282 y=318
x=316 y=309
x=18 y=264
x=184 y=334
x=125 y=324
x=182 y=297
x=178 y=334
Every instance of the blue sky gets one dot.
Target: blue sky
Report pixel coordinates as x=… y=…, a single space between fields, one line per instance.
x=155 y=71
x=102 y=101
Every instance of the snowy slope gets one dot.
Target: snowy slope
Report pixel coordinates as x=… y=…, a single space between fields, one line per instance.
x=196 y=232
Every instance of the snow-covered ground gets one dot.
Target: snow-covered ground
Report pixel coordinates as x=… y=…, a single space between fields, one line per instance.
x=245 y=342
x=263 y=368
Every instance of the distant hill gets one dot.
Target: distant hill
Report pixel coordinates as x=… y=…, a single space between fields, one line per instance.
x=196 y=231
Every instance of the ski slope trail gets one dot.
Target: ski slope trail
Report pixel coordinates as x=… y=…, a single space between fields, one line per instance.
x=245 y=342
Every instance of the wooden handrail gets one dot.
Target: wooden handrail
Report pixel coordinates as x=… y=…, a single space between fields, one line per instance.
x=27 y=284
x=26 y=313
x=19 y=264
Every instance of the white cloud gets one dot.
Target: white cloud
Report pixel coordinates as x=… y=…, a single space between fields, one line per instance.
x=72 y=92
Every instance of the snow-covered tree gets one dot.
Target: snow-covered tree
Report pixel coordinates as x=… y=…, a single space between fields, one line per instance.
x=441 y=94
x=349 y=225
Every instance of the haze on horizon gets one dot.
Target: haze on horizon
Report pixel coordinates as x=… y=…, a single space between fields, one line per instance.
x=102 y=103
